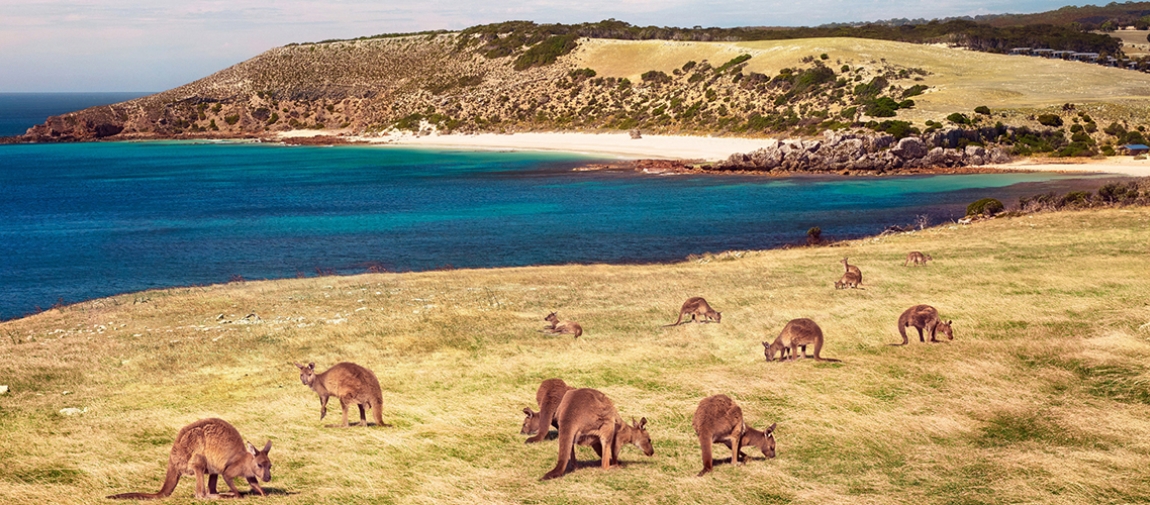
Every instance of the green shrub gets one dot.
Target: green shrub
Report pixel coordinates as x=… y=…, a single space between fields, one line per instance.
x=1051 y=120
x=232 y=119
x=734 y=61
x=985 y=207
x=958 y=118
x=546 y=52
x=895 y=128
x=882 y=107
x=581 y=74
x=982 y=109
x=915 y=90
x=275 y=117
x=689 y=65
x=655 y=76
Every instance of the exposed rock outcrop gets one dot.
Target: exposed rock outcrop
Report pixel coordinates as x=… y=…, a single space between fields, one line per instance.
x=857 y=151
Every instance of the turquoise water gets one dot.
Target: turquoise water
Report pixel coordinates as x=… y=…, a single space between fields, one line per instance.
x=79 y=221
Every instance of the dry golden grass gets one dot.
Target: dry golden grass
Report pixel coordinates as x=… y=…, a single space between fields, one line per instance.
x=1043 y=396
x=961 y=79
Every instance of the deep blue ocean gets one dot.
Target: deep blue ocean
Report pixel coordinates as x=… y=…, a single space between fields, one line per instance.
x=80 y=221
x=20 y=111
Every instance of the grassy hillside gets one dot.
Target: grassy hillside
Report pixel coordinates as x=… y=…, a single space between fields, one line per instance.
x=1042 y=397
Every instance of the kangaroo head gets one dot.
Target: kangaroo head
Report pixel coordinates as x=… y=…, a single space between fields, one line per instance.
x=844 y=261
x=640 y=437
x=306 y=373
x=529 y=425
x=261 y=466
x=928 y=258
x=552 y=318
x=773 y=349
x=768 y=446
x=946 y=329
x=718 y=317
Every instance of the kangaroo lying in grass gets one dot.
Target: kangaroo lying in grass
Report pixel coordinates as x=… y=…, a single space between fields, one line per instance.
x=797 y=334
x=548 y=396
x=916 y=258
x=211 y=447
x=923 y=317
x=848 y=280
x=719 y=419
x=349 y=382
x=562 y=327
x=699 y=310
x=851 y=269
x=587 y=416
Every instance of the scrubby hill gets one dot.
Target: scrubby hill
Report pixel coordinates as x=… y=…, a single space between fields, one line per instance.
x=526 y=77
x=1042 y=397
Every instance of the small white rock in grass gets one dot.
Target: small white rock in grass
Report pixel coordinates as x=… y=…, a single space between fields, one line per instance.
x=3 y=390
x=72 y=411
x=65 y=393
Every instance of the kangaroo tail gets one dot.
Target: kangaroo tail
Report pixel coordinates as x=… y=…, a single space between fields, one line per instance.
x=676 y=323
x=170 y=481
x=831 y=360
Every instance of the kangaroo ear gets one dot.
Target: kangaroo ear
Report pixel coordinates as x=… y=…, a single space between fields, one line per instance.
x=527 y=410
x=251 y=448
x=299 y=366
x=267 y=447
x=311 y=365
x=772 y=428
x=642 y=422
x=948 y=323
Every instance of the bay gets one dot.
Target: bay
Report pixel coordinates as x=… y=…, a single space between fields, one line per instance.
x=79 y=221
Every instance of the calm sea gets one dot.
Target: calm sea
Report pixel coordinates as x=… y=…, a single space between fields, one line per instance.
x=20 y=111
x=79 y=221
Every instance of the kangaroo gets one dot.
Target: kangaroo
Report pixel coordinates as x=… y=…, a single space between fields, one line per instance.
x=562 y=327
x=923 y=317
x=853 y=269
x=916 y=258
x=848 y=280
x=548 y=396
x=625 y=434
x=718 y=419
x=349 y=382
x=699 y=310
x=211 y=447
x=798 y=333
x=585 y=414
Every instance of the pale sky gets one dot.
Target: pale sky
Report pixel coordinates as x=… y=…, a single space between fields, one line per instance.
x=153 y=45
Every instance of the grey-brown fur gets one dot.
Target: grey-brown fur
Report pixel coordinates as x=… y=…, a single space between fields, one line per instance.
x=351 y=383
x=916 y=258
x=719 y=419
x=584 y=414
x=851 y=269
x=848 y=280
x=699 y=310
x=923 y=317
x=548 y=397
x=211 y=448
x=558 y=327
x=796 y=335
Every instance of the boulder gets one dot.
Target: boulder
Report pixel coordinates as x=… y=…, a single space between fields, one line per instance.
x=909 y=148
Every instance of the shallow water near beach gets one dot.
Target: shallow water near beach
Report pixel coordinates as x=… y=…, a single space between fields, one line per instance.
x=79 y=221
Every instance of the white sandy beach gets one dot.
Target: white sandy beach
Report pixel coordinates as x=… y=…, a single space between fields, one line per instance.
x=621 y=145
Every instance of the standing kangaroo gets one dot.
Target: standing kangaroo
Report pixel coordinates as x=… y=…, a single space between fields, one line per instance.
x=848 y=280
x=923 y=317
x=562 y=327
x=585 y=414
x=211 y=447
x=699 y=310
x=797 y=334
x=548 y=396
x=718 y=419
x=349 y=382
x=916 y=258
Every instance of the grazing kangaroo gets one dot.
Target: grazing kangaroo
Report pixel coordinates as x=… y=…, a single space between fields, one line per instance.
x=851 y=269
x=585 y=414
x=349 y=382
x=718 y=419
x=916 y=258
x=548 y=396
x=211 y=447
x=699 y=310
x=562 y=327
x=848 y=280
x=798 y=333
x=625 y=434
x=923 y=317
